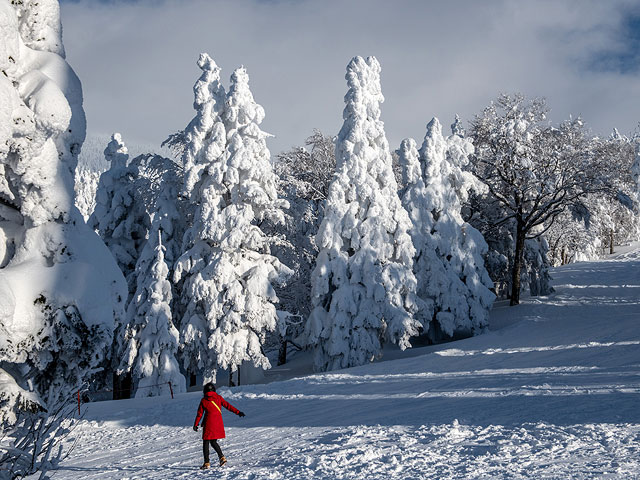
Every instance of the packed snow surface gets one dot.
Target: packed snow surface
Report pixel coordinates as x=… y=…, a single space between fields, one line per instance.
x=552 y=391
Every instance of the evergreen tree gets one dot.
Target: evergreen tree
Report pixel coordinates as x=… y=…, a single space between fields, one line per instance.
x=226 y=266
x=152 y=338
x=201 y=147
x=122 y=222
x=363 y=284
x=427 y=267
x=117 y=217
x=450 y=269
x=457 y=128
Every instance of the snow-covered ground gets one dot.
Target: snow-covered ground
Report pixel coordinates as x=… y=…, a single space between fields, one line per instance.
x=551 y=392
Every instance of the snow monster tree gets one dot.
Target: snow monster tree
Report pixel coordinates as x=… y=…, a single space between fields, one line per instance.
x=452 y=279
x=226 y=268
x=363 y=286
x=60 y=288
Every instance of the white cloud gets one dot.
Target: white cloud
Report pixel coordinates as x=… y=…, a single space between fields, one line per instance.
x=137 y=60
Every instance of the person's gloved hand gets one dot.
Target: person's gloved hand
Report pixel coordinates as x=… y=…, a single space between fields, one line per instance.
x=195 y=428
x=241 y=414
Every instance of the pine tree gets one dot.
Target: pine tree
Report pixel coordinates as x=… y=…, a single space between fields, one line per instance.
x=117 y=216
x=120 y=218
x=204 y=139
x=226 y=267
x=152 y=338
x=428 y=269
x=449 y=266
x=363 y=284
x=457 y=128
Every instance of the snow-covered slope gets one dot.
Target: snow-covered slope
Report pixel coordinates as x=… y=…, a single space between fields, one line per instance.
x=552 y=391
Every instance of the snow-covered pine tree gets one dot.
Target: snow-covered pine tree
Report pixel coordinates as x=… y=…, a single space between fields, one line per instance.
x=116 y=217
x=157 y=187
x=60 y=289
x=363 y=284
x=449 y=265
x=152 y=339
x=226 y=268
x=427 y=267
x=200 y=145
x=155 y=193
x=457 y=128
x=122 y=222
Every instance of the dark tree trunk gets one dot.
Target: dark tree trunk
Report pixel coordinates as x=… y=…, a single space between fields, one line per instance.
x=231 y=384
x=121 y=386
x=517 y=263
x=282 y=352
x=611 y=233
x=192 y=379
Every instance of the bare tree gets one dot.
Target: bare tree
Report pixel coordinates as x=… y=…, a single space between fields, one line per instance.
x=308 y=170
x=533 y=171
x=37 y=441
x=305 y=174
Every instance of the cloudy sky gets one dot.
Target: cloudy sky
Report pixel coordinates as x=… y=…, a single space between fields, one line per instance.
x=137 y=60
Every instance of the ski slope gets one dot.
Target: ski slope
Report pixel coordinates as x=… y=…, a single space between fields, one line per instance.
x=551 y=392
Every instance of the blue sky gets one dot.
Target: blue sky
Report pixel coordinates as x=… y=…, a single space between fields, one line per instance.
x=623 y=55
x=136 y=60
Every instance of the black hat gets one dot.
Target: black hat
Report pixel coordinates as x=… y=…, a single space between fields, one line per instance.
x=209 y=387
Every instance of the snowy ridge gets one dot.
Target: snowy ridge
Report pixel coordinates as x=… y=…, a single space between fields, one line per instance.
x=550 y=392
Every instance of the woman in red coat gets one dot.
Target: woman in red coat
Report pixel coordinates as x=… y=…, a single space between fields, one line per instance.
x=212 y=425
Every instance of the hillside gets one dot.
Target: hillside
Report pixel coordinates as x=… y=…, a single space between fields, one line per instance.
x=552 y=391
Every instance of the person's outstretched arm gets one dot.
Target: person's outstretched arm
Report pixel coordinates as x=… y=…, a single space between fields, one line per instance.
x=231 y=408
x=198 y=416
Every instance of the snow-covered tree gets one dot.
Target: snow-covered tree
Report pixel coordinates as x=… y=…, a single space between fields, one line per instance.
x=155 y=191
x=457 y=128
x=122 y=223
x=226 y=269
x=574 y=238
x=117 y=217
x=60 y=289
x=603 y=219
x=533 y=171
x=307 y=171
x=305 y=174
x=157 y=187
x=200 y=145
x=499 y=232
x=635 y=171
x=152 y=337
x=449 y=265
x=363 y=284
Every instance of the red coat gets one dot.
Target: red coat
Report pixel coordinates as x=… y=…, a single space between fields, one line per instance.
x=212 y=425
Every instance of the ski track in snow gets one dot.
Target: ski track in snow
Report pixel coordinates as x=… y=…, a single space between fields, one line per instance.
x=551 y=392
